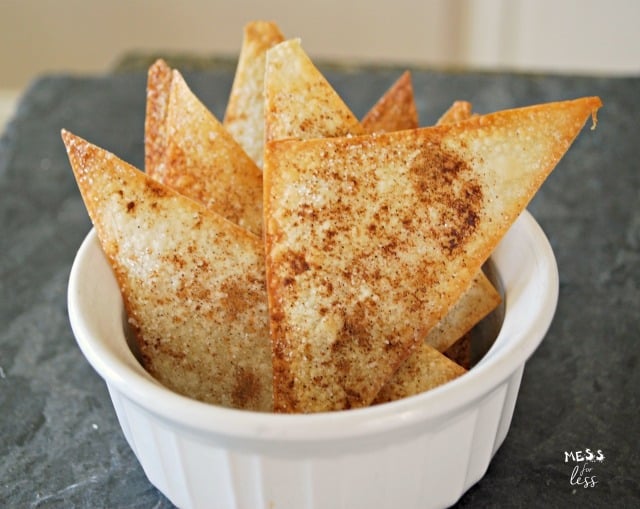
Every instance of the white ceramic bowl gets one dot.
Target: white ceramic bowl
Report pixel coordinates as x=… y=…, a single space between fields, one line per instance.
x=420 y=452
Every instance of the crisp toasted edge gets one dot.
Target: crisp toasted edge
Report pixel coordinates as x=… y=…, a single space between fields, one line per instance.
x=457 y=112
x=159 y=78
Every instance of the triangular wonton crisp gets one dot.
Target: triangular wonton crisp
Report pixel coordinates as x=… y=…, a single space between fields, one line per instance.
x=192 y=282
x=244 y=116
x=204 y=162
x=371 y=239
x=395 y=110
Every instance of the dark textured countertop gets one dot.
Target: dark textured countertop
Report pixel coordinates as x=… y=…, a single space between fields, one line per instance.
x=60 y=443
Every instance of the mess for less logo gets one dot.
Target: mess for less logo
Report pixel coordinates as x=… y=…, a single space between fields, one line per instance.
x=583 y=473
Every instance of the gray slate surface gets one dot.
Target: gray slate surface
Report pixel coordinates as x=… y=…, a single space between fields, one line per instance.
x=60 y=444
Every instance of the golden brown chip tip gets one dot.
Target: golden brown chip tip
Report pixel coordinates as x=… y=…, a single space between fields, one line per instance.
x=458 y=111
x=395 y=110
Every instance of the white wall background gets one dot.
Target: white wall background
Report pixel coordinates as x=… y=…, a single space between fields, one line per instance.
x=86 y=36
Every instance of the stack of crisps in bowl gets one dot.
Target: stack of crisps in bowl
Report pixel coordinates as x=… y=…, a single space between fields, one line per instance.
x=291 y=265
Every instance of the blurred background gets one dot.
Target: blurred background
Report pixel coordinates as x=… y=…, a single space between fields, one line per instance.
x=86 y=36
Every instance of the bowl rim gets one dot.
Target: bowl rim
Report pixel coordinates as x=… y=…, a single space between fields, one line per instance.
x=124 y=374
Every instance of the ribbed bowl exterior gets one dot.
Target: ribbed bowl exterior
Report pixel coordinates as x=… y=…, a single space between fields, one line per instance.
x=431 y=468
